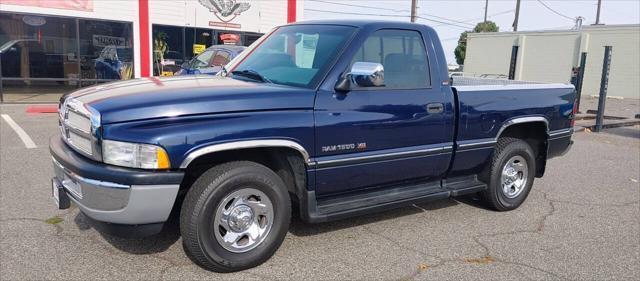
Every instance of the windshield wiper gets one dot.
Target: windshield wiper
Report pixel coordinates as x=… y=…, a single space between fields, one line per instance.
x=251 y=74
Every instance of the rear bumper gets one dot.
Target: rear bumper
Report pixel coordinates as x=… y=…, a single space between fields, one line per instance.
x=560 y=142
x=111 y=194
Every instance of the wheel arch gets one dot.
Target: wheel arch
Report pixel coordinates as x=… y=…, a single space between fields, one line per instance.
x=245 y=144
x=535 y=131
x=286 y=158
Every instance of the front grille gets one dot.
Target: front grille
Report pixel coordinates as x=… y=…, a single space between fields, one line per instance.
x=79 y=122
x=80 y=142
x=75 y=126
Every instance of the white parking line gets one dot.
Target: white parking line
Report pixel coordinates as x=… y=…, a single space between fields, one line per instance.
x=28 y=142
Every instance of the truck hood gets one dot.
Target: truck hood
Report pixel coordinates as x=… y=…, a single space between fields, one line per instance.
x=153 y=97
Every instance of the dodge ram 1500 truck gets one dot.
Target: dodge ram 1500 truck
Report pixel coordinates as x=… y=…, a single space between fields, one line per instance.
x=329 y=118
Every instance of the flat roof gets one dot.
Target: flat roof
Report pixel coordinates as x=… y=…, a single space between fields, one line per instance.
x=600 y=27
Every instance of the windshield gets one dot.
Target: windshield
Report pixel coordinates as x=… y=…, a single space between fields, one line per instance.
x=296 y=55
x=202 y=60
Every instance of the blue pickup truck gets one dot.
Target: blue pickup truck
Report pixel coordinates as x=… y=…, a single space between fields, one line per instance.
x=331 y=119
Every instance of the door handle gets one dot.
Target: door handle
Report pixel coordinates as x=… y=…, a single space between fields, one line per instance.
x=434 y=108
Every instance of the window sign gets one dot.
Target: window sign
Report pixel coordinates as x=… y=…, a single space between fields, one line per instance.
x=199 y=48
x=103 y=41
x=306 y=50
x=230 y=38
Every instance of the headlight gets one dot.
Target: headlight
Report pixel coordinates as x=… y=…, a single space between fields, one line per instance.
x=134 y=155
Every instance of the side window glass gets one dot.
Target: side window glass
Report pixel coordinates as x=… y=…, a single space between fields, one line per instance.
x=221 y=58
x=402 y=54
x=202 y=60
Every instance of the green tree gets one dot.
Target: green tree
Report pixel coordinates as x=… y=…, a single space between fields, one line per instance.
x=461 y=49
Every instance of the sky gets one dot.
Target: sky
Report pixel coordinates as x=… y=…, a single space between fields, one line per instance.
x=451 y=17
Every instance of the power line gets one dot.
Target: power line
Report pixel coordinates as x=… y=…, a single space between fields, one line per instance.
x=445 y=23
x=393 y=10
x=555 y=12
x=450 y=39
x=476 y=19
x=463 y=22
x=361 y=6
x=361 y=14
x=443 y=18
x=387 y=15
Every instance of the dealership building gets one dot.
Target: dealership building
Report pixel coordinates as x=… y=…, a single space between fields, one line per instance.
x=64 y=44
x=561 y=56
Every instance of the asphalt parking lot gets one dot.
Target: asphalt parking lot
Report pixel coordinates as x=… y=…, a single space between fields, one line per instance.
x=580 y=222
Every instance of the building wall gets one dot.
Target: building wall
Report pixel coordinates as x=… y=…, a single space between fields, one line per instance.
x=624 y=78
x=549 y=56
x=486 y=54
x=261 y=16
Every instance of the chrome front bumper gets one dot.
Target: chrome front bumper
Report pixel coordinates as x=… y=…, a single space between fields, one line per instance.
x=117 y=203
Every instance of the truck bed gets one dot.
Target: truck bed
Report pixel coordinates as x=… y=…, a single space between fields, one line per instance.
x=486 y=106
x=477 y=81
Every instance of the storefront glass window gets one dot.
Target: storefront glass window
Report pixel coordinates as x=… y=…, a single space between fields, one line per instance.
x=249 y=38
x=38 y=47
x=196 y=39
x=106 y=50
x=174 y=46
x=167 y=49
x=43 y=55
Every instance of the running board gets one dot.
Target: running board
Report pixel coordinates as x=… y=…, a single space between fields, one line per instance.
x=463 y=185
x=343 y=206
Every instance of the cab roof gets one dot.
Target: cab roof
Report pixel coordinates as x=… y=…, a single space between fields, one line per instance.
x=366 y=24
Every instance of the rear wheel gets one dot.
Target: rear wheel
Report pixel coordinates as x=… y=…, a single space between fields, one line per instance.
x=235 y=216
x=510 y=174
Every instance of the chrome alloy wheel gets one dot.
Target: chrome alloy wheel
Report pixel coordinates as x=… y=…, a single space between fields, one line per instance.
x=514 y=176
x=243 y=220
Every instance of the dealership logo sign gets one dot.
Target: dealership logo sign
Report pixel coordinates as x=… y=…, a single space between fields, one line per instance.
x=34 y=20
x=225 y=10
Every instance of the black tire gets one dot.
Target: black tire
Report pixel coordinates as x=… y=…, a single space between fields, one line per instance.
x=202 y=201
x=506 y=149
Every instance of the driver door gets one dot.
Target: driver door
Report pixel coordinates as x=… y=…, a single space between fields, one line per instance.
x=395 y=134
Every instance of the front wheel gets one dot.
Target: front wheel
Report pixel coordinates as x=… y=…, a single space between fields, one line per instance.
x=235 y=216
x=510 y=174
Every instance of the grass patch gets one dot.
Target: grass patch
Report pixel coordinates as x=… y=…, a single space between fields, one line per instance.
x=422 y=267
x=54 y=220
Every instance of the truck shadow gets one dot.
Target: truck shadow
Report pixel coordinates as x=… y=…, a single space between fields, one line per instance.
x=170 y=234
x=301 y=228
x=138 y=246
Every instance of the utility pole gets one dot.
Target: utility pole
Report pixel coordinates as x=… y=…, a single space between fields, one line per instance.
x=515 y=21
x=486 y=7
x=414 y=10
x=598 y=13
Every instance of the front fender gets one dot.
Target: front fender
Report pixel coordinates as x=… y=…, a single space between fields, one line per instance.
x=184 y=136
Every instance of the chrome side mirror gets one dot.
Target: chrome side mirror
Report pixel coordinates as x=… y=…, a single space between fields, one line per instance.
x=368 y=74
x=363 y=74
